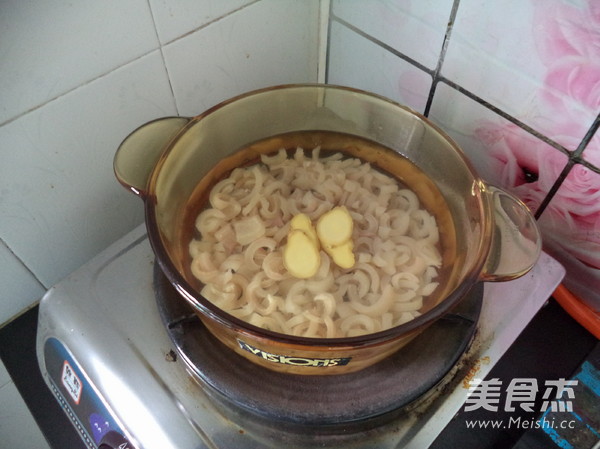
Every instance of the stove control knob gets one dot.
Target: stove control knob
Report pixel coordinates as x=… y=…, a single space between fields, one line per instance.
x=114 y=440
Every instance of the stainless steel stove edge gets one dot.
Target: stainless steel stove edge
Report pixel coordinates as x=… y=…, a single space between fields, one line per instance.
x=160 y=398
x=74 y=326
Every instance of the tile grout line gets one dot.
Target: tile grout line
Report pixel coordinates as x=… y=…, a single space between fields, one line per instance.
x=575 y=158
x=381 y=44
x=23 y=264
x=204 y=25
x=552 y=192
x=162 y=56
x=572 y=154
x=328 y=47
x=438 y=69
x=504 y=115
x=76 y=88
x=8 y=378
x=7 y=384
x=323 y=40
x=588 y=137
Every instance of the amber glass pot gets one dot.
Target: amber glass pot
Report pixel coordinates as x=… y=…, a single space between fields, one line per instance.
x=486 y=234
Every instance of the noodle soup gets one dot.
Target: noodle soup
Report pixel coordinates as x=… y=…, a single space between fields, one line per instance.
x=401 y=239
x=173 y=163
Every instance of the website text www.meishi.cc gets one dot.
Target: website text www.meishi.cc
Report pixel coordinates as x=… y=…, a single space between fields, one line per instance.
x=520 y=423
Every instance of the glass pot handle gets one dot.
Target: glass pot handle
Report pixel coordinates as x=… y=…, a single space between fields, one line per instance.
x=138 y=154
x=516 y=239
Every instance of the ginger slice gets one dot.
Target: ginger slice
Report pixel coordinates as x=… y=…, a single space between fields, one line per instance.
x=333 y=233
x=342 y=254
x=303 y=223
x=301 y=256
x=335 y=227
x=334 y=230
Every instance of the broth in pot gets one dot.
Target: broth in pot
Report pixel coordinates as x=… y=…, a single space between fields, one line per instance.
x=240 y=220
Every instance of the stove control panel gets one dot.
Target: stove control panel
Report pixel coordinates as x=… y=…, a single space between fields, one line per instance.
x=80 y=401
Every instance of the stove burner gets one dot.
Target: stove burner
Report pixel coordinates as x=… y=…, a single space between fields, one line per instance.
x=378 y=390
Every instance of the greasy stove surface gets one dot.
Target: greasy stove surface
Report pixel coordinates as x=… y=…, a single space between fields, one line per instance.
x=552 y=346
x=106 y=314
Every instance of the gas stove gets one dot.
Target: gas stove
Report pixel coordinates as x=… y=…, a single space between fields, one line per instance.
x=133 y=367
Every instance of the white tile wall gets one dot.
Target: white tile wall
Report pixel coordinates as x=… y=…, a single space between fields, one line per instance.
x=358 y=62
x=75 y=79
x=518 y=88
x=267 y=43
x=61 y=203
x=504 y=41
x=414 y=27
x=177 y=18
x=50 y=48
x=82 y=75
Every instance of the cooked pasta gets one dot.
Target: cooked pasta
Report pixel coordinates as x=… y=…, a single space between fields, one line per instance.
x=242 y=233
